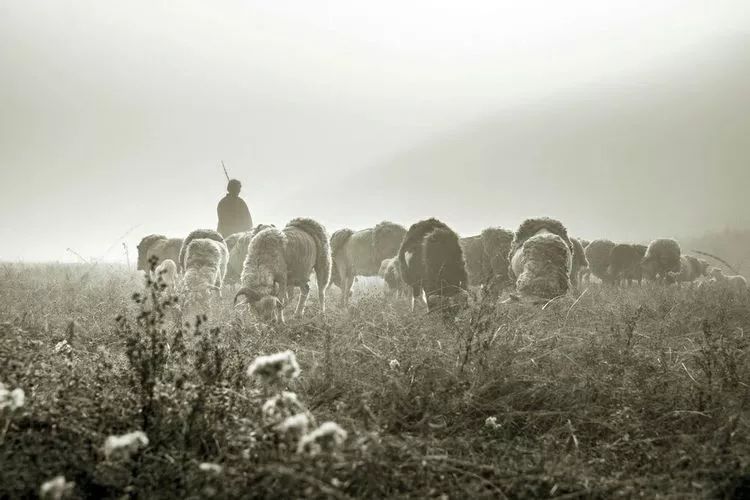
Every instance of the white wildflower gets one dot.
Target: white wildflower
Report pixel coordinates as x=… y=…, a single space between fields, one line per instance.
x=327 y=437
x=211 y=467
x=491 y=422
x=295 y=426
x=276 y=409
x=13 y=400
x=275 y=368
x=62 y=347
x=394 y=364
x=18 y=398
x=125 y=445
x=56 y=488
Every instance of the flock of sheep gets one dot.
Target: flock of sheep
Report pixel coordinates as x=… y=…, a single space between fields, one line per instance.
x=429 y=262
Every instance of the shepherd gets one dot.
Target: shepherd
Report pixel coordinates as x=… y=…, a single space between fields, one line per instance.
x=234 y=216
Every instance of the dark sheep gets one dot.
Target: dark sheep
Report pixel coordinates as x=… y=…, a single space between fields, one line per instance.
x=486 y=256
x=580 y=263
x=662 y=260
x=432 y=263
x=598 y=254
x=625 y=263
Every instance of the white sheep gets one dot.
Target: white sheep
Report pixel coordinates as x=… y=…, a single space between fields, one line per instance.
x=280 y=259
x=166 y=271
x=205 y=267
x=209 y=234
x=238 y=253
x=390 y=271
x=541 y=259
x=736 y=283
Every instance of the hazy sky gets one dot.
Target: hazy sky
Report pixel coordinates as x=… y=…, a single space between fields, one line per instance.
x=114 y=115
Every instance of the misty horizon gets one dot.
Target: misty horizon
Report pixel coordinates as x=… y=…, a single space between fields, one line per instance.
x=623 y=123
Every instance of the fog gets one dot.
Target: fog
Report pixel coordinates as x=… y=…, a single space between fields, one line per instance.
x=623 y=119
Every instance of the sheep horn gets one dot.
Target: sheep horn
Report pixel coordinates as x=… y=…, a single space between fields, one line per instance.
x=249 y=294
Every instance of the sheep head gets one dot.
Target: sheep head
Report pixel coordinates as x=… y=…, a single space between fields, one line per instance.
x=649 y=268
x=265 y=306
x=716 y=273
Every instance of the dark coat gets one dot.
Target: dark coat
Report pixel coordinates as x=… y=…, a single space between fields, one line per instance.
x=234 y=216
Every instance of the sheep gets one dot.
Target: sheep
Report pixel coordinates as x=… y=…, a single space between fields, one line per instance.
x=662 y=260
x=238 y=253
x=541 y=259
x=390 y=271
x=690 y=269
x=703 y=266
x=232 y=240
x=278 y=259
x=166 y=271
x=198 y=233
x=432 y=265
x=625 y=263
x=598 y=254
x=474 y=256
x=205 y=267
x=580 y=263
x=159 y=246
x=542 y=266
x=361 y=253
x=736 y=283
x=698 y=267
x=486 y=256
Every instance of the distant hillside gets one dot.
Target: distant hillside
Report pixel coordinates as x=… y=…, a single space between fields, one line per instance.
x=655 y=156
x=732 y=245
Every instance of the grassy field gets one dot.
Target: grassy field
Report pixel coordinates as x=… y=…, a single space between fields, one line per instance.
x=639 y=392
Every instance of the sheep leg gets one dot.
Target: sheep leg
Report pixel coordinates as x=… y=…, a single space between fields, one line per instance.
x=346 y=280
x=322 y=288
x=349 y=285
x=416 y=291
x=322 y=298
x=344 y=287
x=304 y=291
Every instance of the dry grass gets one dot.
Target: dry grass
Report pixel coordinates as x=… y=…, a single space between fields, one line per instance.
x=619 y=392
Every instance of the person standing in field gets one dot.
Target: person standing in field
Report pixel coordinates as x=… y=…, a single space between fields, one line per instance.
x=234 y=216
